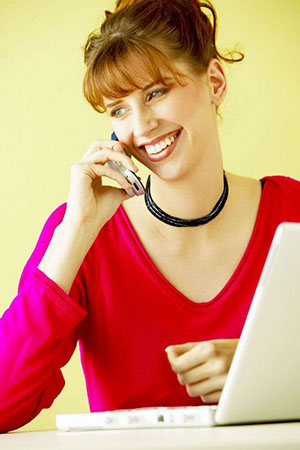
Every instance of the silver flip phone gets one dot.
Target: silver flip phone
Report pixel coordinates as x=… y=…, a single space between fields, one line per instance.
x=131 y=177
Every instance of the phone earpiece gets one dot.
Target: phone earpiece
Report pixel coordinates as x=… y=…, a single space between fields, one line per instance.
x=135 y=181
x=114 y=136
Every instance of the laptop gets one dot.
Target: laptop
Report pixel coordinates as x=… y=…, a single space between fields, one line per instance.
x=263 y=383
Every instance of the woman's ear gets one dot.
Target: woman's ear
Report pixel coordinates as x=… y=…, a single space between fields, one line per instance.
x=217 y=81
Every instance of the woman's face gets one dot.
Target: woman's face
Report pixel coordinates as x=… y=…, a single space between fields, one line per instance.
x=168 y=129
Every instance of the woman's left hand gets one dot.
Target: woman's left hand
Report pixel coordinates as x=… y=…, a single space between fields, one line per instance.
x=203 y=366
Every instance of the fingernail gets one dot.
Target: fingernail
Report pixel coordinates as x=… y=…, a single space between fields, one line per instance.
x=167 y=349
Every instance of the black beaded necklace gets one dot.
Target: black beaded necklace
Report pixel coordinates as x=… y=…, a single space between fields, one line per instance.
x=175 y=221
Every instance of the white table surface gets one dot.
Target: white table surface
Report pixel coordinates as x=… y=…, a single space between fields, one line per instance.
x=282 y=436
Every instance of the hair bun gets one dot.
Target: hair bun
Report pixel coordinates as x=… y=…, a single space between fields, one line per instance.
x=122 y=4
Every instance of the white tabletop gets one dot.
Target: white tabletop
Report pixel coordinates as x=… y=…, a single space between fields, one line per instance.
x=282 y=436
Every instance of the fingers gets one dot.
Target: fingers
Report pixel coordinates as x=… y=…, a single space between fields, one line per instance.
x=213 y=397
x=98 y=154
x=202 y=372
x=98 y=144
x=95 y=171
x=181 y=348
x=104 y=155
x=108 y=150
x=204 y=379
x=207 y=388
x=194 y=354
x=202 y=367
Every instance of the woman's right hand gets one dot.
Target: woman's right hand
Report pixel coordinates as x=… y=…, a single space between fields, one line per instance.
x=89 y=202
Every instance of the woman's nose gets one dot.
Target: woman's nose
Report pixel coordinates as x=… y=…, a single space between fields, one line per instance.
x=144 y=122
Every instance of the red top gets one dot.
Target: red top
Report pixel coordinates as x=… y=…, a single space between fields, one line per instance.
x=124 y=312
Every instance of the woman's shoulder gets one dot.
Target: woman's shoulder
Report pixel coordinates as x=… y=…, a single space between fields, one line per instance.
x=282 y=182
x=283 y=188
x=284 y=192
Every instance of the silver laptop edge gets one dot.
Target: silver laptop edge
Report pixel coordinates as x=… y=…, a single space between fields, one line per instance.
x=263 y=381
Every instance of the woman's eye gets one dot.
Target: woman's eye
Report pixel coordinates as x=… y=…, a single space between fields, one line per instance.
x=157 y=93
x=117 y=112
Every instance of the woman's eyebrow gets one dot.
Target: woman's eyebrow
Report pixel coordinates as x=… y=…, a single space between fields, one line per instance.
x=111 y=105
x=156 y=82
x=149 y=86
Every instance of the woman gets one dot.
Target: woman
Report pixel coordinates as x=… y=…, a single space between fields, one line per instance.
x=108 y=271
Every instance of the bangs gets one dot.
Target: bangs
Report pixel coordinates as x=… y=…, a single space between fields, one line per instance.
x=124 y=68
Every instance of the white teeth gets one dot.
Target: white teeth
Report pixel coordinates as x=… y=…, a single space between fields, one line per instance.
x=151 y=149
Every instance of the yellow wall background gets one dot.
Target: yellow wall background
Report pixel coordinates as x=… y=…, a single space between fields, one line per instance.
x=46 y=125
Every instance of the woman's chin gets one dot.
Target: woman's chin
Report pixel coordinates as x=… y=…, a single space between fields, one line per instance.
x=169 y=172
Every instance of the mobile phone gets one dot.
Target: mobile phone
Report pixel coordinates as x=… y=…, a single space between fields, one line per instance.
x=135 y=181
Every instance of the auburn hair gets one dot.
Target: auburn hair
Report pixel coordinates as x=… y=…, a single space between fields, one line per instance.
x=140 y=37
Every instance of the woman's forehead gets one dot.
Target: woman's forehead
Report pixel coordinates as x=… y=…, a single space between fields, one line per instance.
x=120 y=83
x=140 y=65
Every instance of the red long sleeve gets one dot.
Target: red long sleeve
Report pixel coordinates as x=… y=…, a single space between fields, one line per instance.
x=38 y=335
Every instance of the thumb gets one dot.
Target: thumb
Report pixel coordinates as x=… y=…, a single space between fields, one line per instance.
x=180 y=348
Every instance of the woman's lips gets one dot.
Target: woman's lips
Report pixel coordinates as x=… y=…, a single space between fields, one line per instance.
x=156 y=157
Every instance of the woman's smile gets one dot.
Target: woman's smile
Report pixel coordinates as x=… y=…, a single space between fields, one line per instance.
x=163 y=149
